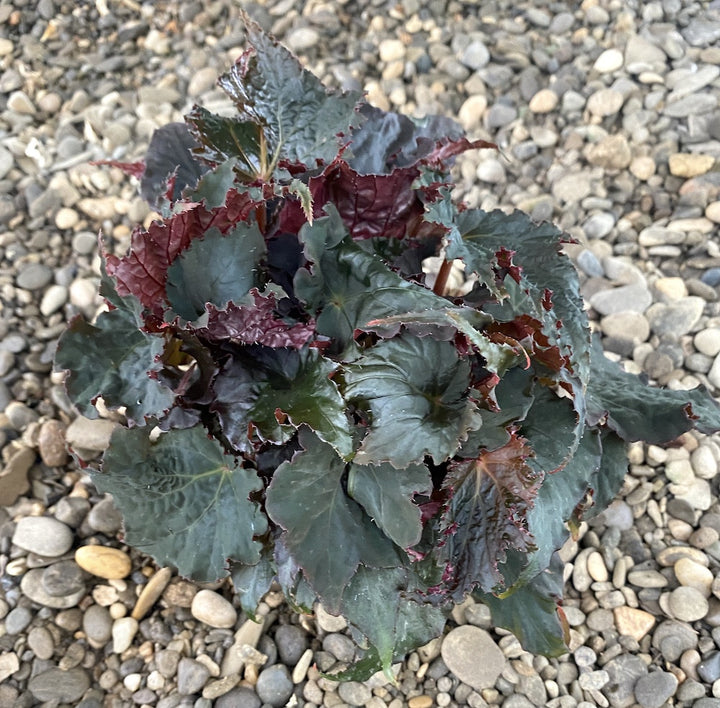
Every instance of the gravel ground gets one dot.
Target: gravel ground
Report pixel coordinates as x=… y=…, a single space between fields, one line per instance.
x=607 y=116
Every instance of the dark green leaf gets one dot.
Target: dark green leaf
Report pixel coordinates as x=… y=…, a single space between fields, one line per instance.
x=350 y=287
x=299 y=117
x=251 y=583
x=183 y=500
x=387 y=496
x=375 y=602
x=214 y=185
x=215 y=269
x=635 y=411
x=328 y=534
x=415 y=391
x=226 y=139
x=114 y=359
x=299 y=384
x=531 y=612
x=606 y=481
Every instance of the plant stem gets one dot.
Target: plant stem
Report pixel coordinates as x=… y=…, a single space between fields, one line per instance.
x=442 y=277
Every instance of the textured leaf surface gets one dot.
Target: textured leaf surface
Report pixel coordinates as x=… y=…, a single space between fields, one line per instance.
x=223 y=139
x=415 y=391
x=531 y=612
x=487 y=515
x=328 y=534
x=114 y=359
x=386 y=494
x=350 y=287
x=277 y=391
x=300 y=118
x=183 y=500
x=635 y=411
x=143 y=271
x=375 y=602
x=216 y=269
x=255 y=324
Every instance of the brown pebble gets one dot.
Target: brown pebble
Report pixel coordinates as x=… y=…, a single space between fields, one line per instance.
x=180 y=593
x=51 y=442
x=104 y=562
x=420 y=702
x=13 y=478
x=633 y=623
x=151 y=592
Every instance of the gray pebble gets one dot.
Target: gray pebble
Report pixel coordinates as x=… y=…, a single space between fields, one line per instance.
x=624 y=671
x=18 y=620
x=239 y=697
x=354 y=693
x=97 y=625
x=63 y=579
x=43 y=535
x=105 y=518
x=340 y=646
x=32 y=586
x=191 y=676
x=653 y=690
x=291 y=643
x=72 y=510
x=34 y=276
x=40 y=640
x=274 y=685
x=709 y=668
x=58 y=685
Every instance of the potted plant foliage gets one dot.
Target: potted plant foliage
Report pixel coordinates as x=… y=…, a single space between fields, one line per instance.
x=304 y=405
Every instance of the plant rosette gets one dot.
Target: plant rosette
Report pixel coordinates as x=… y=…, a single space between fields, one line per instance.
x=302 y=407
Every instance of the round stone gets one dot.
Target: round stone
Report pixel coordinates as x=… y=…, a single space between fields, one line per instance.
x=34 y=276
x=62 y=579
x=275 y=686
x=688 y=604
x=43 y=535
x=460 y=651
x=544 y=101
x=191 y=676
x=33 y=587
x=642 y=167
x=123 y=632
x=213 y=609
x=97 y=625
x=610 y=60
x=653 y=690
x=693 y=575
x=40 y=640
x=58 y=685
x=66 y=218
x=104 y=562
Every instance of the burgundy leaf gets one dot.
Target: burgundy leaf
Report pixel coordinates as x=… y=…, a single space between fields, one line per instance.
x=143 y=271
x=256 y=324
x=134 y=169
x=487 y=515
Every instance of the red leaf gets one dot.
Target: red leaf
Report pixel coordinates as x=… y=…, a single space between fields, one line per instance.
x=487 y=515
x=256 y=324
x=143 y=271
x=134 y=169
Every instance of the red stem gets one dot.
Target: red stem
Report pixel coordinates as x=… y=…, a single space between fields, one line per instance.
x=442 y=277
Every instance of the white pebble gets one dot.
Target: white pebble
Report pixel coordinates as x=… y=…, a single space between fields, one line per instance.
x=123 y=633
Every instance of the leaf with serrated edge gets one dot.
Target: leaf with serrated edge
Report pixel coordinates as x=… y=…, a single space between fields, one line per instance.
x=487 y=515
x=375 y=602
x=216 y=269
x=183 y=500
x=415 y=391
x=531 y=612
x=350 y=287
x=131 y=381
x=636 y=411
x=300 y=118
x=386 y=495
x=306 y=498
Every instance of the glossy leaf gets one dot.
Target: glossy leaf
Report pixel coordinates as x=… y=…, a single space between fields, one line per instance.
x=183 y=500
x=306 y=498
x=300 y=119
x=532 y=612
x=486 y=516
x=415 y=393
x=349 y=287
x=190 y=287
x=635 y=411
x=132 y=378
x=376 y=602
x=386 y=494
